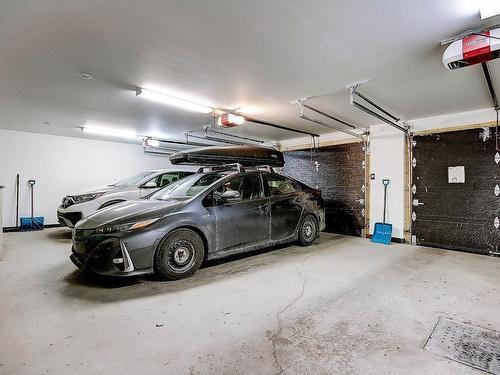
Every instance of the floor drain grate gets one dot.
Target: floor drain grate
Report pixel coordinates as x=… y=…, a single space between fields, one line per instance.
x=474 y=346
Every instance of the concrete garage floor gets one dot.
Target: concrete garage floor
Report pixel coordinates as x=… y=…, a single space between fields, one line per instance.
x=342 y=306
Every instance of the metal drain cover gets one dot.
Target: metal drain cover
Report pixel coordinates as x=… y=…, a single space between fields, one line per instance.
x=471 y=345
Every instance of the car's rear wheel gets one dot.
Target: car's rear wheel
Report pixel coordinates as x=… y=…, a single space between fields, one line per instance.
x=179 y=255
x=308 y=230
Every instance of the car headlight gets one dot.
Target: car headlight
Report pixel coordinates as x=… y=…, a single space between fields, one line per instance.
x=125 y=227
x=85 y=197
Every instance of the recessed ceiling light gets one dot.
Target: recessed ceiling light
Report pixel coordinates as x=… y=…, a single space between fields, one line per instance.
x=86 y=76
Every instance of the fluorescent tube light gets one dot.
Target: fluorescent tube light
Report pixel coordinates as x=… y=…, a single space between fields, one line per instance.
x=109 y=132
x=152 y=142
x=489 y=8
x=173 y=101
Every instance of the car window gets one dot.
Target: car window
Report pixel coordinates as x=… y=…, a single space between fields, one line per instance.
x=134 y=180
x=189 y=186
x=279 y=185
x=248 y=186
x=162 y=180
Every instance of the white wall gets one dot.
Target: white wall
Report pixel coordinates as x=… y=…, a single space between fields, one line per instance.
x=61 y=165
x=387 y=162
x=387 y=159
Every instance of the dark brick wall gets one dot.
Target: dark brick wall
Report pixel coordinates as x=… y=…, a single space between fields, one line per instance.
x=340 y=178
x=457 y=216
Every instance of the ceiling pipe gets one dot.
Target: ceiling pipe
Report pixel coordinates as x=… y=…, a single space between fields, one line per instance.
x=303 y=105
x=211 y=130
x=376 y=105
x=373 y=113
x=215 y=139
x=319 y=122
x=326 y=114
x=494 y=99
x=184 y=143
x=491 y=88
x=260 y=122
x=159 y=151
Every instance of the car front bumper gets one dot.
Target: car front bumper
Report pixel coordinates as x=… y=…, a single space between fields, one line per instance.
x=115 y=255
x=69 y=216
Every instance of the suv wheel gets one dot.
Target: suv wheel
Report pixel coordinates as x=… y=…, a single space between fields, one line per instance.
x=308 y=230
x=179 y=255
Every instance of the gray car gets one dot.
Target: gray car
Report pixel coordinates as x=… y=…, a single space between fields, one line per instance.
x=80 y=204
x=204 y=216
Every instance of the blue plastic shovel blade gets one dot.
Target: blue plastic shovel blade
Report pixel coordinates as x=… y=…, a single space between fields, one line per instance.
x=382 y=233
x=28 y=224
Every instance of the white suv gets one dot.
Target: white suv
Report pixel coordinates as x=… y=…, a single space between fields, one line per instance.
x=77 y=206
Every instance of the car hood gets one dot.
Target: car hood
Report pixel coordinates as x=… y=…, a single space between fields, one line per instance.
x=93 y=189
x=129 y=212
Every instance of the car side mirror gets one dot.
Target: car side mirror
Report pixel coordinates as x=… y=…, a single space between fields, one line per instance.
x=227 y=196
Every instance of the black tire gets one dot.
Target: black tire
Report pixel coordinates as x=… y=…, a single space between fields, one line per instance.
x=308 y=230
x=179 y=255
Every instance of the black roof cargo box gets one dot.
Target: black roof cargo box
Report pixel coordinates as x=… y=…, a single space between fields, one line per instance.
x=216 y=155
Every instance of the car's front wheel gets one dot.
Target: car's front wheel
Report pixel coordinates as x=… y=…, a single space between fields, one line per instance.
x=179 y=255
x=308 y=230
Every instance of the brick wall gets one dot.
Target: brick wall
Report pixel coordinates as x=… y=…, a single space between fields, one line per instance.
x=340 y=177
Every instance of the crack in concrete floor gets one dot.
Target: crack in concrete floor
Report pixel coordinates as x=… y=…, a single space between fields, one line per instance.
x=275 y=336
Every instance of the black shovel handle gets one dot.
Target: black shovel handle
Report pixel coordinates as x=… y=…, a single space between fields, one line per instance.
x=385 y=182
x=31 y=183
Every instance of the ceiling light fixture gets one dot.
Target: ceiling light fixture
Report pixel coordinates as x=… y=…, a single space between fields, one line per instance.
x=489 y=8
x=86 y=76
x=151 y=142
x=230 y=120
x=173 y=101
x=109 y=132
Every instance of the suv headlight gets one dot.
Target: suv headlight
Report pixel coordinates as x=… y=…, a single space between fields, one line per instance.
x=126 y=227
x=85 y=197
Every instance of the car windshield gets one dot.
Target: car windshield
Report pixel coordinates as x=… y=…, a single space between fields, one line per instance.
x=188 y=187
x=134 y=180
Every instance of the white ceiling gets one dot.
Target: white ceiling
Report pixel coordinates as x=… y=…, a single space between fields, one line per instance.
x=257 y=54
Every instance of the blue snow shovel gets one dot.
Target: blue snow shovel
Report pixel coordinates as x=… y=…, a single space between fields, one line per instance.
x=383 y=232
x=32 y=223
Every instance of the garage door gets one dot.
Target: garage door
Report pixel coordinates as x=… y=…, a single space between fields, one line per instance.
x=340 y=176
x=456 y=193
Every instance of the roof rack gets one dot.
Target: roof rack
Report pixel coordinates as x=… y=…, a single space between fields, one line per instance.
x=267 y=168
x=224 y=167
